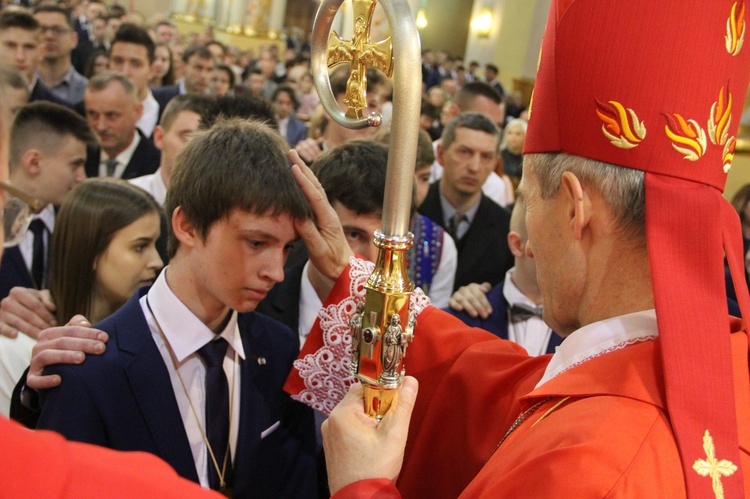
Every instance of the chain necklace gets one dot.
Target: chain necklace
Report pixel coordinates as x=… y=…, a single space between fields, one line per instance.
x=220 y=472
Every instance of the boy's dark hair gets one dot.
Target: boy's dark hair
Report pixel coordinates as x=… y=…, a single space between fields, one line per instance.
x=131 y=33
x=42 y=125
x=57 y=10
x=199 y=50
x=247 y=107
x=18 y=18
x=286 y=89
x=354 y=175
x=218 y=44
x=237 y=164
x=466 y=95
x=472 y=121
x=199 y=104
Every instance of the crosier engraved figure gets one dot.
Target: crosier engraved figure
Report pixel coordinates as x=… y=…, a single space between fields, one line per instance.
x=392 y=349
x=355 y=325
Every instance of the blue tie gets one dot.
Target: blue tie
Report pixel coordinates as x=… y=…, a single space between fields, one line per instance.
x=38 y=228
x=217 y=409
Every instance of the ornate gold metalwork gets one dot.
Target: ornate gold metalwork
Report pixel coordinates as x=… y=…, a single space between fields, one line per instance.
x=381 y=329
x=712 y=467
x=360 y=53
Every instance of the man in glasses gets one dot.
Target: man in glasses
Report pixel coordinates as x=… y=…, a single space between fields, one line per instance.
x=58 y=41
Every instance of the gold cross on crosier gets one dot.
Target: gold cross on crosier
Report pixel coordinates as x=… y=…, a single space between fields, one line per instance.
x=712 y=467
x=360 y=53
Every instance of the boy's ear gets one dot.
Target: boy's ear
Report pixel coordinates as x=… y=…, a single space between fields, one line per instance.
x=183 y=229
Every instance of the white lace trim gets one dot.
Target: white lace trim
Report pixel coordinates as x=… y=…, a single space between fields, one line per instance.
x=325 y=373
x=619 y=346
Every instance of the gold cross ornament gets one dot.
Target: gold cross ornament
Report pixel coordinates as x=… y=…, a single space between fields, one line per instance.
x=713 y=467
x=360 y=53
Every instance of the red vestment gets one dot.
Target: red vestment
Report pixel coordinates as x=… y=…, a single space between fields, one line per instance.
x=44 y=464
x=611 y=437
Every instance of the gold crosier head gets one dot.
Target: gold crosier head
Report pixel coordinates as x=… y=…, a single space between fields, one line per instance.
x=360 y=53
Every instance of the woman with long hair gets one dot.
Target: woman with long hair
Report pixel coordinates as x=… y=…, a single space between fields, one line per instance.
x=103 y=248
x=163 y=72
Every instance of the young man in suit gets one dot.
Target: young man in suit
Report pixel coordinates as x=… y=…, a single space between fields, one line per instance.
x=132 y=54
x=151 y=390
x=112 y=110
x=47 y=155
x=20 y=36
x=478 y=225
x=512 y=309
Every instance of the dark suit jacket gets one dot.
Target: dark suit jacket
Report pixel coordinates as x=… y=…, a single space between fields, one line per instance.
x=165 y=94
x=13 y=272
x=497 y=322
x=282 y=302
x=145 y=160
x=483 y=253
x=41 y=92
x=124 y=400
x=295 y=131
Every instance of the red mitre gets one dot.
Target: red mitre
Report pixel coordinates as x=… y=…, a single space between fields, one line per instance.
x=659 y=86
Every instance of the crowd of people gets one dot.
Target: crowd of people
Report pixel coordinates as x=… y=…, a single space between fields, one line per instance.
x=150 y=195
x=103 y=101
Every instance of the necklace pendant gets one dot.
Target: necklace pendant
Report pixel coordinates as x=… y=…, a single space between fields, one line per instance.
x=226 y=491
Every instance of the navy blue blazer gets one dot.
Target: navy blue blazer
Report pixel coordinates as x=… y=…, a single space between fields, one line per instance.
x=124 y=400
x=483 y=252
x=41 y=92
x=145 y=160
x=165 y=94
x=295 y=131
x=13 y=272
x=497 y=322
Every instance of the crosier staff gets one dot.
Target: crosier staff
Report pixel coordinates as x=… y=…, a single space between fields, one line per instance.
x=382 y=329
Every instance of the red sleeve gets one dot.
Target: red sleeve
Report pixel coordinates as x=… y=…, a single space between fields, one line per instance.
x=374 y=488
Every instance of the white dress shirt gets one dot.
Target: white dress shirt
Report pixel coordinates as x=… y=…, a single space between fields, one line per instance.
x=150 y=115
x=153 y=184
x=186 y=334
x=122 y=159
x=533 y=334
x=599 y=338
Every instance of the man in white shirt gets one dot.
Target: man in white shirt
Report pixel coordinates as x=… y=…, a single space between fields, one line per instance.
x=132 y=54
x=512 y=309
x=198 y=304
x=178 y=124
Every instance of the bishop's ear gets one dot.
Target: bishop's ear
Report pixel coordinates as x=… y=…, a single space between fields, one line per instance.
x=577 y=203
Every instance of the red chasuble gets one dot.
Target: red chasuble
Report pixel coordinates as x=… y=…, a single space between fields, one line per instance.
x=599 y=429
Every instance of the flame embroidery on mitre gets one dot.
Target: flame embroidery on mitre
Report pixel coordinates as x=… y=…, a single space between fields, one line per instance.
x=728 y=155
x=621 y=125
x=688 y=138
x=720 y=118
x=735 y=36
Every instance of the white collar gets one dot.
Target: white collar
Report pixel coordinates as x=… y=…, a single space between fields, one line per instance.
x=512 y=294
x=599 y=338
x=124 y=157
x=184 y=332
